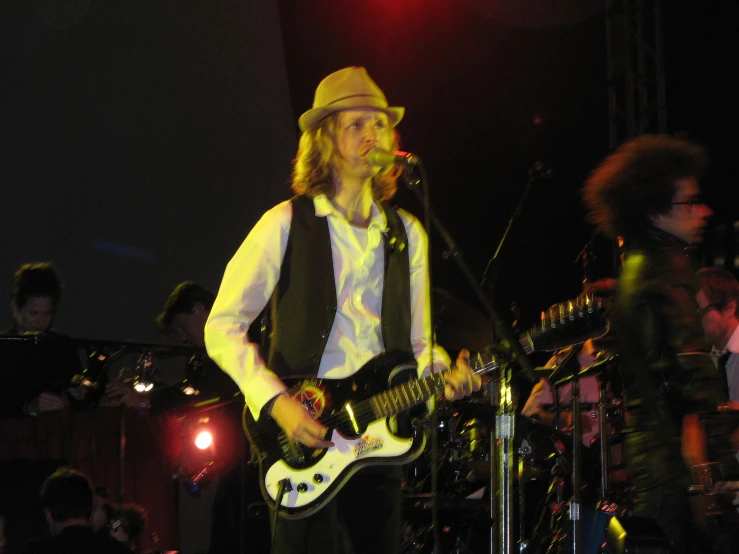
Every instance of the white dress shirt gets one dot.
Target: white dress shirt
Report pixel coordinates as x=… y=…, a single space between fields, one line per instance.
x=356 y=334
x=732 y=365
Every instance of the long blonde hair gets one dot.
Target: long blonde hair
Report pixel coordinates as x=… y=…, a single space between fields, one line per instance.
x=313 y=164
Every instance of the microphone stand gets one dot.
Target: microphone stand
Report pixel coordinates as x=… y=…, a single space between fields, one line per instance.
x=425 y=199
x=537 y=171
x=504 y=421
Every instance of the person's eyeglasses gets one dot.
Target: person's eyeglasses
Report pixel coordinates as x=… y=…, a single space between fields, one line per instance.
x=698 y=200
x=703 y=311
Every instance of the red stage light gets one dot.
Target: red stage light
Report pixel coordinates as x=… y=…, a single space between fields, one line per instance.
x=203 y=440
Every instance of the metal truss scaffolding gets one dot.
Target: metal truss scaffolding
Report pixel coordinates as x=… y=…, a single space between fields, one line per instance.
x=636 y=69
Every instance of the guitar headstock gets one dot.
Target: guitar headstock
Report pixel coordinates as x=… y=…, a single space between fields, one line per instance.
x=570 y=322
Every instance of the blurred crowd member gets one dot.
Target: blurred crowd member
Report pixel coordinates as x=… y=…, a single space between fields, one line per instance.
x=36 y=376
x=648 y=193
x=718 y=300
x=127 y=525
x=67 y=499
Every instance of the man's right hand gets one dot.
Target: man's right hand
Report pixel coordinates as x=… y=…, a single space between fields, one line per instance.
x=298 y=424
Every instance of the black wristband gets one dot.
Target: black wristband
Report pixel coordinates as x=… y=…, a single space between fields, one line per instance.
x=271 y=402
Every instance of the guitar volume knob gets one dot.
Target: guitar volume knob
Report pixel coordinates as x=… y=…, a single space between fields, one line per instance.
x=302 y=487
x=318 y=478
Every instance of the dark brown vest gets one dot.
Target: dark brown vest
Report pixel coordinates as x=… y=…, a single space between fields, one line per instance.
x=304 y=301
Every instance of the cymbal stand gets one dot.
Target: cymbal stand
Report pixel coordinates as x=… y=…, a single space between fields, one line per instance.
x=600 y=367
x=575 y=502
x=605 y=432
x=576 y=446
x=504 y=435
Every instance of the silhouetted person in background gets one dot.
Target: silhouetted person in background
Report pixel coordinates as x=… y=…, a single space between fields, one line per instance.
x=185 y=313
x=718 y=300
x=66 y=496
x=36 y=375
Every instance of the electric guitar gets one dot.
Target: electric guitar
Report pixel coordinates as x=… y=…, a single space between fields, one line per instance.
x=357 y=409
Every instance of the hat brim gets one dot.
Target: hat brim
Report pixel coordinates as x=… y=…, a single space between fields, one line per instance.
x=310 y=119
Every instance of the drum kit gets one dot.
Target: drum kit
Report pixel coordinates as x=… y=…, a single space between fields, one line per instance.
x=552 y=473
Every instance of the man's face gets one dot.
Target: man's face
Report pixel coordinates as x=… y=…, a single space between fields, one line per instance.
x=689 y=215
x=358 y=132
x=190 y=326
x=717 y=322
x=35 y=316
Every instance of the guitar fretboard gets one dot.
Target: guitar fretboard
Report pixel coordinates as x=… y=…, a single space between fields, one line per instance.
x=407 y=395
x=412 y=393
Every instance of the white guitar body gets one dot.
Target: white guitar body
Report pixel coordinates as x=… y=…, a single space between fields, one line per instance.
x=316 y=485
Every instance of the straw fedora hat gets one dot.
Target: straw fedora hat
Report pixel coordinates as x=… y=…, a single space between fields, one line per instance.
x=347 y=89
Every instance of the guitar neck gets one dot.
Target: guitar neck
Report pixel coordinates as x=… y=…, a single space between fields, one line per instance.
x=416 y=391
x=407 y=395
x=526 y=342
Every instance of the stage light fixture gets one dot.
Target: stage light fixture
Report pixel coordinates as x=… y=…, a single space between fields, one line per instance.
x=144 y=371
x=203 y=439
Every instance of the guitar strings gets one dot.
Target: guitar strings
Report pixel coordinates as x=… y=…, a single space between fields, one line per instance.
x=364 y=408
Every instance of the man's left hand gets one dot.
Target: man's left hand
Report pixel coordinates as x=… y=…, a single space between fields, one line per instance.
x=460 y=381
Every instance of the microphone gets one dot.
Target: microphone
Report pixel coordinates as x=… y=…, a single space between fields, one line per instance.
x=383 y=158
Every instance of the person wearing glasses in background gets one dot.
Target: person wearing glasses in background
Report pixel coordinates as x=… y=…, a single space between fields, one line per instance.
x=648 y=193
x=718 y=300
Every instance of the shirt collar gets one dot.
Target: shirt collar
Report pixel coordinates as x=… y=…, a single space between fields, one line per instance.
x=733 y=344
x=325 y=208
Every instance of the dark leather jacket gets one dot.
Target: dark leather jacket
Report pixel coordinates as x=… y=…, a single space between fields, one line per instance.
x=664 y=359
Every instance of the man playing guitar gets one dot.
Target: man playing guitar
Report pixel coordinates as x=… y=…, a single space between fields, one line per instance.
x=348 y=279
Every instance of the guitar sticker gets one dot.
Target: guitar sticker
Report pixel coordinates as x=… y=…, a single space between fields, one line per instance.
x=367 y=445
x=312 y=397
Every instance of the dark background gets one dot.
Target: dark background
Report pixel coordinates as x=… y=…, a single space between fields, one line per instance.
x=140 y=141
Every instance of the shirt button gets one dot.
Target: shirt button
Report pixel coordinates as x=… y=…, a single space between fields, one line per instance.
x=323 y=334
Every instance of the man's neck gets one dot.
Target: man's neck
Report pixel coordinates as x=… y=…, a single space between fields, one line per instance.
x=354 y=200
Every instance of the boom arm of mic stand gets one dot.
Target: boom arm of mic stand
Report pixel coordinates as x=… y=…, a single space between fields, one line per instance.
x=507 y=340
x=537 y=171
